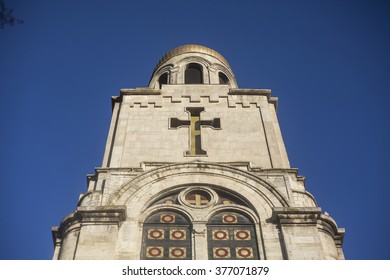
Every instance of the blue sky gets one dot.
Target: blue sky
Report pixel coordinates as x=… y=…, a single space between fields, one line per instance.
x=328 y=62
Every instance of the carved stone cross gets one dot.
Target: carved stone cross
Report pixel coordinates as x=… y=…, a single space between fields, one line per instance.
x=195 y=124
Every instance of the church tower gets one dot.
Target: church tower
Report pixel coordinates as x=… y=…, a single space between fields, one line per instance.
x=196 y=168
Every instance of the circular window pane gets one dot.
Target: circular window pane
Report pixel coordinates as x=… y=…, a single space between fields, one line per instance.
x=198 y=198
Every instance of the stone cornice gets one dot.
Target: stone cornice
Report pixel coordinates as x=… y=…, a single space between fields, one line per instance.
x=140 y=91
x=235 y=96
x=296 y=215
x=148 y=165
x=94 y=215
x=102 y=214
x=309 y=215
x=244 y=91
x=266 y=92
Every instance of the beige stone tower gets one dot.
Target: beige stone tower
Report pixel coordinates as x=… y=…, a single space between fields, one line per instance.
x=196 y=168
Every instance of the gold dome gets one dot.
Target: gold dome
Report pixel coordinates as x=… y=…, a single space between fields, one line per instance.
x=191 y=49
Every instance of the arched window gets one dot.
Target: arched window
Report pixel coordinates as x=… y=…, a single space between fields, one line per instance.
x=231 y=236
x=166 y=236
x=193 y=74
x=223 y=79
x=163 y=79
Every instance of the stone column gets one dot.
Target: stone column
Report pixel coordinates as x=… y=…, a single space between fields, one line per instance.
x=199 y=244
x=57 y=243
x=70 y=238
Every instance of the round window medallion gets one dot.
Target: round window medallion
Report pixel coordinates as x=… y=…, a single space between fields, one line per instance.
x=177 y=234
x=167 y=218
x=177 y=252
x=242 y=235
x=198 y=197
x=154 y=251
x=156 y=234
x=220 y=235
x=221 y=252
x=229 y=218
x=244 y=252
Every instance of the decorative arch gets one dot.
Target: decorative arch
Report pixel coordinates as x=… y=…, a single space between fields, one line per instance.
x=246 y=211
x=148 y=211
x=261 y=195
x=219 y=68
x=183 y=55
x=155 y=79
x=185 y=62
x=141 y=196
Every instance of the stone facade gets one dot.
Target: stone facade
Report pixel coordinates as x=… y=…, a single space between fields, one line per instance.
x=207 y=158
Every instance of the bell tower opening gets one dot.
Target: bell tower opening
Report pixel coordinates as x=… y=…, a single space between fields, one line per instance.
x=223 y=79
x=193 y=74
x=163 y=80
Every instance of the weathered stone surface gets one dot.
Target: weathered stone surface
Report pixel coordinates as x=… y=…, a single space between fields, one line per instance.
x=239 y=162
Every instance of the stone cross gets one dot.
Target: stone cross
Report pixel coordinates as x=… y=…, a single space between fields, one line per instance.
x=195 y=124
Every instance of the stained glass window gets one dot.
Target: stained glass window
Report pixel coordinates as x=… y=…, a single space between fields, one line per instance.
x=231 y=236
x=166 y=236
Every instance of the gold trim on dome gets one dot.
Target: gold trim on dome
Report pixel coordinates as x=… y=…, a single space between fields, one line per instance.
x=191 y=48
